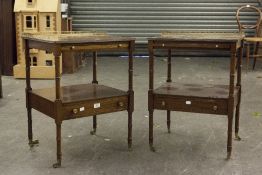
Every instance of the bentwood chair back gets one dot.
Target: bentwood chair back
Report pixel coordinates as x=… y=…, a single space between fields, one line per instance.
x=243 y=26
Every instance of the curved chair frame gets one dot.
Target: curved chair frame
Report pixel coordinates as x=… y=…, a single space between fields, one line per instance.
x=251 y=40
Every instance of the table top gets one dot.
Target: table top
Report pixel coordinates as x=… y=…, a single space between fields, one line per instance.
x=200 y=36
x=73 y=37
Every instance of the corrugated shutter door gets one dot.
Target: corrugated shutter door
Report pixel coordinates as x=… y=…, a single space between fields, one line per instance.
x=146 y=18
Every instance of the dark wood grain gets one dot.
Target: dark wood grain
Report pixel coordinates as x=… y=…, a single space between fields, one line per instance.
x=82 y=100
x=197 y=98
x=194 y=90
x=80 y=92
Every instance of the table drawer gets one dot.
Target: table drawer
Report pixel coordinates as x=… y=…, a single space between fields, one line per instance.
x=191 y=45
x=198 y=105
x=94 y=107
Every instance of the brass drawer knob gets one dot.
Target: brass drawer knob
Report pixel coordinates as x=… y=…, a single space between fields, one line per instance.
x=163 y=103
x=73 y=47
x=120 y=104
x=75 y=111
x=215 y=108
x=120 y=45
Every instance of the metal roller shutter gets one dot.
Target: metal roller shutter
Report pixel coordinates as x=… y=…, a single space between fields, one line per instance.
x=145 y=18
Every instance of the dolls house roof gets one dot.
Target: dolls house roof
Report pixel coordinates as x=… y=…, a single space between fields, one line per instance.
x=36 y=5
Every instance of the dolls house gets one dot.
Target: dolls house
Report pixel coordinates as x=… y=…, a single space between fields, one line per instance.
x=34 y=16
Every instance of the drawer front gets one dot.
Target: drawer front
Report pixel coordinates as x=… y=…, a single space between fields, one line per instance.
x=104 y=46
x=192 y=45
x=94 y=107
x=197 y=105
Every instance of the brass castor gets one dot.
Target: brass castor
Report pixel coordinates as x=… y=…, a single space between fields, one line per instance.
x=237 y=137
x=93 y=132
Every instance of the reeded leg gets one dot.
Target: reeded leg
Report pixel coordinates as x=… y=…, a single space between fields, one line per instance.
x=151 y=126
x=31 y=142
x=94 y=126
x=168 y=121
x=229 y=137
x=129 y=130
x=58 y=145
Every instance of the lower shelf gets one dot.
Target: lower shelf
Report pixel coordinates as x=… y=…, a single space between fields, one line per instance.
x=210 y=99
x=79 y=101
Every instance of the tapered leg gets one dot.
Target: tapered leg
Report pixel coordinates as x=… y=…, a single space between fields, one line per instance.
x=58 y=146
x=168 y=121
x=93 y=132
x=229 y=135
x=129 y=130
x=151 y=126
x=237 y=122
x=31 y=142
x=94 y=126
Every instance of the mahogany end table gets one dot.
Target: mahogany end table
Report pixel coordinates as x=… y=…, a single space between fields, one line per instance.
x=197 y=98
x=82 y=100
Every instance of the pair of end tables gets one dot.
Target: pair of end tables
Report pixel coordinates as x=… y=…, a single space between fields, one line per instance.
x=76 y=101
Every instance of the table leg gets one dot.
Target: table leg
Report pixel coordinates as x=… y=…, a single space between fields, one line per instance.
x=58 y=145
x=169 y=69
x=239 y=70
x=130 y=92
x=93 y=132
x=229 y=135
x=168 y=121
x=129 y=129
x=151 y=132
x=31 y=142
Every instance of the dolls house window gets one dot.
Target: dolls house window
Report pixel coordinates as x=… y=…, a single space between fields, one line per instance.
x=29 y=22
x=48 y=22
x=49 y=63
x=34 y=61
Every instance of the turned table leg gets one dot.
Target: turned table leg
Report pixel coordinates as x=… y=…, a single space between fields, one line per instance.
x=93 y=132
x=169 y=80
x=58 y=145
x=31 y=142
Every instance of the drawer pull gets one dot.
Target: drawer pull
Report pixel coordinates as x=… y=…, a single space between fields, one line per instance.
x=120 y=45
x=120 y=104
x=75 y=111
x=215 y=108
x=73 y=47
x=217 y=46
x=163 y=103
x=163 y=45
